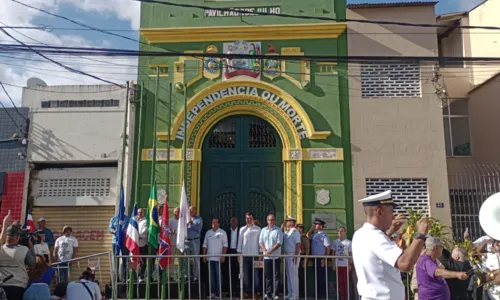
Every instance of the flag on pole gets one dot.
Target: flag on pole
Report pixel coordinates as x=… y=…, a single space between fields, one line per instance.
x=120 y=228
x=165 y=238
x=132 y=236
x=183 y=220
x=153 y=223
x=28 y=223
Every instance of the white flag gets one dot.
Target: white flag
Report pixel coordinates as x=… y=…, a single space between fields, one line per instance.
x=183 y=220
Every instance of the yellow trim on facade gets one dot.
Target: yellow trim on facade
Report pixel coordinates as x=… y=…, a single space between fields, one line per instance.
x=179 y=74
x=288 y=188
x=249 y=33
x=179 y=119
x=299 y=193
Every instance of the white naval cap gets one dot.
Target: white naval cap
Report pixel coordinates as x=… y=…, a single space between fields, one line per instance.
x=384 y=198
x=290 y=218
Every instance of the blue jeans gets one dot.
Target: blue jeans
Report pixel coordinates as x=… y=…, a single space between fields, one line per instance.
x=193 y=249
x=37 y=291
x=250 y=286
x=215 y=277
x=63 y=270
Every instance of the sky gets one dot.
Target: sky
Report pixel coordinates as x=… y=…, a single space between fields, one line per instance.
x=16 y=69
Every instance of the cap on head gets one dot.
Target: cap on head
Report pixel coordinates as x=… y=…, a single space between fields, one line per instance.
x=290 y=218
x=318 y=221
x=41 y=219
x=14 y=230
x=66 y=227
x=384 y=198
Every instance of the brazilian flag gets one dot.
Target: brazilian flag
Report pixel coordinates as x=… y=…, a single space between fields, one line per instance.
x=152 y=217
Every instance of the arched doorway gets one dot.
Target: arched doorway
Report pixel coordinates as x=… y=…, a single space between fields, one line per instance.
x=241 y=170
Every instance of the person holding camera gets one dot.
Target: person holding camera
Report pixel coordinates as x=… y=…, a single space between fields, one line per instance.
x=14 y=259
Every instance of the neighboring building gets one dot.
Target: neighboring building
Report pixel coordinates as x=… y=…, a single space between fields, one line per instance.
x=262 y=135
x=470 y=111
x=13 y=127
x=75 y=154
x=396 y=117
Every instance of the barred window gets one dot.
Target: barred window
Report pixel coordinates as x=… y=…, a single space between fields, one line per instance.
x=78 y=187
x=406 y=192
x=390 y=80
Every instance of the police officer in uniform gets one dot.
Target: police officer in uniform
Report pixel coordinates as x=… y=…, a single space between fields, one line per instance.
x=320 y=245
x=378 y=260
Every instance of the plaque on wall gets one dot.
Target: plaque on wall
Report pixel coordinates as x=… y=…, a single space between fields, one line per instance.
x=329 y=219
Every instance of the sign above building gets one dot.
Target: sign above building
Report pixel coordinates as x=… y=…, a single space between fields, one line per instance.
x=245 y=90
x=241 y=11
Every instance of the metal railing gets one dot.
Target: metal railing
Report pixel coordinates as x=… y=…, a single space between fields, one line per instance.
x=94 y=262
x=255 y=277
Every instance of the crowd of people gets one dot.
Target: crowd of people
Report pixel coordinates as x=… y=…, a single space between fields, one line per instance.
x=30 y=260
x=438 y=273
x=261 y=250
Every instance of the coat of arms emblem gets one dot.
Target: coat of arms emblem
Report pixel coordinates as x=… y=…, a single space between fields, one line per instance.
x=323 y=197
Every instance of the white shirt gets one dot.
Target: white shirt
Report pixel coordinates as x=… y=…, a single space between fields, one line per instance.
x=248 y=243
x=65 y=247
x=76 y=291
x=375 y=257
x=215 y=242
x=492 y=263
x=234 y=239
x=342 y=248
x=143 y=232
x=481 y=240
x=173 y=223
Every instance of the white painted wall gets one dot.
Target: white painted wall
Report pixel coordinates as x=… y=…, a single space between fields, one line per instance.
x=74 y=134
x=66 y=185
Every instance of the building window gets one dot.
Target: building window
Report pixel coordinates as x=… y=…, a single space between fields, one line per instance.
x=406 y=192
x=456 y=127
x=78 y=187
x=390 y=80
x=80 y=103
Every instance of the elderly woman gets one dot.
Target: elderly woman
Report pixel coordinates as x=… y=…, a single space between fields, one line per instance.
x=430 y=277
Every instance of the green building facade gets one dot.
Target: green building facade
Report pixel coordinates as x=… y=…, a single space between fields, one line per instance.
x=262 y=135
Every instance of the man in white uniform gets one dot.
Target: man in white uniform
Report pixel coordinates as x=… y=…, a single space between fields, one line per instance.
x=378 y=260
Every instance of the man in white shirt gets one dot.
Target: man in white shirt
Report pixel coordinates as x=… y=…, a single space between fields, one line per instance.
x=84 y=289
x=342 y=247
x=248 y=245
x=378 y=260
x=143 y=242
x=66 y=248
x=215 y=244
x=173 y=223
x=291 y=245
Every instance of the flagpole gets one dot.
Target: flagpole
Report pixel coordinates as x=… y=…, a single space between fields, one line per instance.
x=153 y=176
x=181 y=296
x=164 y=273
x=137 y=184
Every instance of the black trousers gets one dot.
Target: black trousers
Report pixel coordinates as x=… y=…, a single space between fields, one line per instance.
x=302 y=278
x=321 y=285
x=143 y=267
x=232 y=271
x=272 y=276
x=14 y=292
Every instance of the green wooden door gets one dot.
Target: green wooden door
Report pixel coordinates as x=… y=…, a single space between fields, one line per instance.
x=241 y=171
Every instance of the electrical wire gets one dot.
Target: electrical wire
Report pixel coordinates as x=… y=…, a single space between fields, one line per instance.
x=11 y=118
x=57 y=92
x=58 y=63
x=314 y=17
x=12 y=101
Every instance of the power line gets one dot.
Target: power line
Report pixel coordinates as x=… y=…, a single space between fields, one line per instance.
x=11 y=118
x=56 y=62
x=12 y=101
x=57 y=92
x=233 y=10
x=58 y=50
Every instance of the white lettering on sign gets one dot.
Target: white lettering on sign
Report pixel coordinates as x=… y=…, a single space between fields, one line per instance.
x=241 y=12
x=244 y=90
